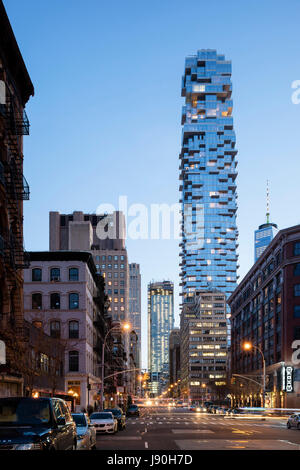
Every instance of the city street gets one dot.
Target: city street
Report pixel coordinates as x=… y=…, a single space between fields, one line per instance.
x=180 y=429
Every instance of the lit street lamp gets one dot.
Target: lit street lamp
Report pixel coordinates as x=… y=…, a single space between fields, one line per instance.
x=125 y=327
x=247 y=347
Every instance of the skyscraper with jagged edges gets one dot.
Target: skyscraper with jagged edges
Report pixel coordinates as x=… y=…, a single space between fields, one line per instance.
x=207 y=176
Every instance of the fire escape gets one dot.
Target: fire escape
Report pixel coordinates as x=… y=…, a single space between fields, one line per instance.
x=16 y=186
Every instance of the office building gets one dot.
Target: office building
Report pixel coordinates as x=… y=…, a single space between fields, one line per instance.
x=265 y=311
x=135 y=309
x=203 y=345
x=265 y=233
x=160 y=324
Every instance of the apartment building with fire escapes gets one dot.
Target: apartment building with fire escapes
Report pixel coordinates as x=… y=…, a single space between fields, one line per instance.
x=15 y=90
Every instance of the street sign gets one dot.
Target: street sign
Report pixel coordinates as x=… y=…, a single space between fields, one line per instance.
x=2 y=353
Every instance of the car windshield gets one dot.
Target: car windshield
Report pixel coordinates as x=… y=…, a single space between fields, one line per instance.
x=115 y=412
x=80 y=420
x=24 y=412
x=132 y=407
x=101 y=416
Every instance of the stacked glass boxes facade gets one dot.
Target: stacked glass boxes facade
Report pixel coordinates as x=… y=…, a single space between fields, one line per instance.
x=208 y=173
x=160 y=324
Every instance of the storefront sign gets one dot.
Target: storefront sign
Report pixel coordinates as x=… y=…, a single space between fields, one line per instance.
x=287 y=380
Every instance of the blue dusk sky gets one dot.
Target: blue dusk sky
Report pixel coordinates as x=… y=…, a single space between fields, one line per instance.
x=105 y=118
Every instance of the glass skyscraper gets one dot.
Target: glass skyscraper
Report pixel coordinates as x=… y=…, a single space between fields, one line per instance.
x=208 y=173
x=265 y=233
x=160 y=324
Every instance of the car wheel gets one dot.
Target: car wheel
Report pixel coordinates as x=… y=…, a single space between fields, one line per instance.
x=288 y=425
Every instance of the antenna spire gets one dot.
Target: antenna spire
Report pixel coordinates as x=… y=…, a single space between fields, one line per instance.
x=268 y=203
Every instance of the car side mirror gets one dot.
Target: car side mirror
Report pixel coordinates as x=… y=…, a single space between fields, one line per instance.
x=61 y=421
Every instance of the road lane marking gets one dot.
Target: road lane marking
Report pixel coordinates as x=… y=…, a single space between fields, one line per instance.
x=192 y=431
x=146 y=445
x=129 y=438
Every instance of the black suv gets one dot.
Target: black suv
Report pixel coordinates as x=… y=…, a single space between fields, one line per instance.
x=36 y=424
x=118 y=413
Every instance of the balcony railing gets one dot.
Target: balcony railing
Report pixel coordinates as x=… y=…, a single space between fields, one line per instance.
x=17 y=185
x=17 y=123
x=11 y=249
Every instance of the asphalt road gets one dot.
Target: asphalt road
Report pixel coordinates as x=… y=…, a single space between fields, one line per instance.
x=180 y=429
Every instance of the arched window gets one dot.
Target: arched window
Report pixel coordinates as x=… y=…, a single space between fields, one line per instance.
x=36 y=301
x=55 y=329
x=55 y=301
x=55 y=274
x=73 y=274
x=73 y=301
x=73 y=361
x=73 y=329
x=36 y=275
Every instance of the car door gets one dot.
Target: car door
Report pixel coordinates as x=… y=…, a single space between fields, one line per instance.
x=69 y=426
x=60 y=437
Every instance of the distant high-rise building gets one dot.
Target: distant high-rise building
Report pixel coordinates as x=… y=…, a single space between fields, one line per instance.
x=174 y=356
x=265 y=233
x=208 y=173
x=135 y=304
x=160 y=324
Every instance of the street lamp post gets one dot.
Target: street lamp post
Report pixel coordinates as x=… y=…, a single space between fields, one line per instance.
x=126 y=326
x=247 y=347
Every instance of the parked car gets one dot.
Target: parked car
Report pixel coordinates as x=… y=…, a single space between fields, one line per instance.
x=86 y=432
x=293 y=421
x=36 y=424
x=133 y=410
x=119 y=415
x=104 y=421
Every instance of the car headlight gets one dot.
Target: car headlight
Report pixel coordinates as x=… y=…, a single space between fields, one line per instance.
x=31 y=446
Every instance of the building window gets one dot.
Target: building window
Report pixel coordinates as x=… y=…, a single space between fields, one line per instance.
x=73 y=361
x=55 y=301
x=297 y=290
x=297 y=269
x=297 y=332
x=36 y=275
x=116 y=257
x=297 y=311
x=55 y=329
x=73 y=274
x=55 y=274
x=36 y=301
x=73 y=329
x=73 y=301
x=296 y=249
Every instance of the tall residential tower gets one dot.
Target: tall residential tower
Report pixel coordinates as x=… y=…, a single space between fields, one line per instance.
x=208 y=173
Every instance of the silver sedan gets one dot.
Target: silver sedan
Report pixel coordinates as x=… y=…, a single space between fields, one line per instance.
x=293 y=421
x=86 y=432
